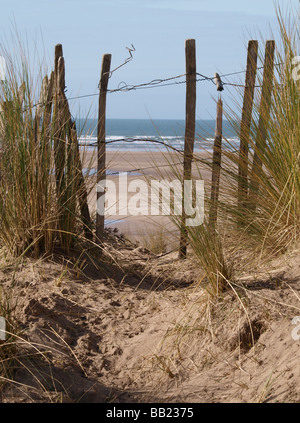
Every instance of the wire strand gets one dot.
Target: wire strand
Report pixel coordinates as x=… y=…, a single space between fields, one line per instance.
x=155 y=83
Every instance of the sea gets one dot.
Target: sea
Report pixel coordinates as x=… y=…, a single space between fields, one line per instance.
x=152 y=135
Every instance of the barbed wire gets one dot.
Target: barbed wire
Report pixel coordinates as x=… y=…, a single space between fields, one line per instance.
x=150 y=140
x=163 y=82
x=141 y=169
x=131 y=140
x=155 y=83
x=152 y=84
x=122 y=64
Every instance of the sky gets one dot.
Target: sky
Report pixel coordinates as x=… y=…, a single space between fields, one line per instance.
x=157 y=29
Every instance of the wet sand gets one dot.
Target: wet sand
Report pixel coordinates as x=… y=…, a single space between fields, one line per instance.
x=146 y=166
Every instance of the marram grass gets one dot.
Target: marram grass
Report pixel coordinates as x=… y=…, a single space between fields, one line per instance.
x=34 y=215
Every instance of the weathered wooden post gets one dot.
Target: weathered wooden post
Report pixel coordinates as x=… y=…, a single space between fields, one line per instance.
x=216 y=168
x=39 y=108
x=245 y=126
x=46 y=124
x=264 y=117
x=66 y=147
x=56 y=128
x=58 y=52
x=190 y=125
x=60 y=117
x=82 y=191
x=42 y=100
x=101 y=157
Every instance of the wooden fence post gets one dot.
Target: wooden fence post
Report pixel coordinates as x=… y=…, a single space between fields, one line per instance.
x=59 y=142
x=46 y=124
x=216 y=168
x=82 y=193
x=245 y=125
x=264 y=117
x=190 y=125
x=40 y=107
x=101 y=173
x=58 y=52
x=42 y=100
x=67 y=155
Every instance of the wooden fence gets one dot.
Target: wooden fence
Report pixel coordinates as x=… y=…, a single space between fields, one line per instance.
x=56 y=108
x=246 y=196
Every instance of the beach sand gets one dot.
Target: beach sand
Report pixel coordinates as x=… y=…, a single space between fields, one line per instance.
x=135 y=330
x=133 y=326
x=146 y=166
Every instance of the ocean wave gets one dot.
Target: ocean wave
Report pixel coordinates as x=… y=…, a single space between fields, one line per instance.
x=143 y=143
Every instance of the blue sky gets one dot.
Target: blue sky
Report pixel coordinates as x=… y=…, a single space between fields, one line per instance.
x=157 y=29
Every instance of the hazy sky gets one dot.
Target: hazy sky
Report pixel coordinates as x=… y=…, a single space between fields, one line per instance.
x=157 y=28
